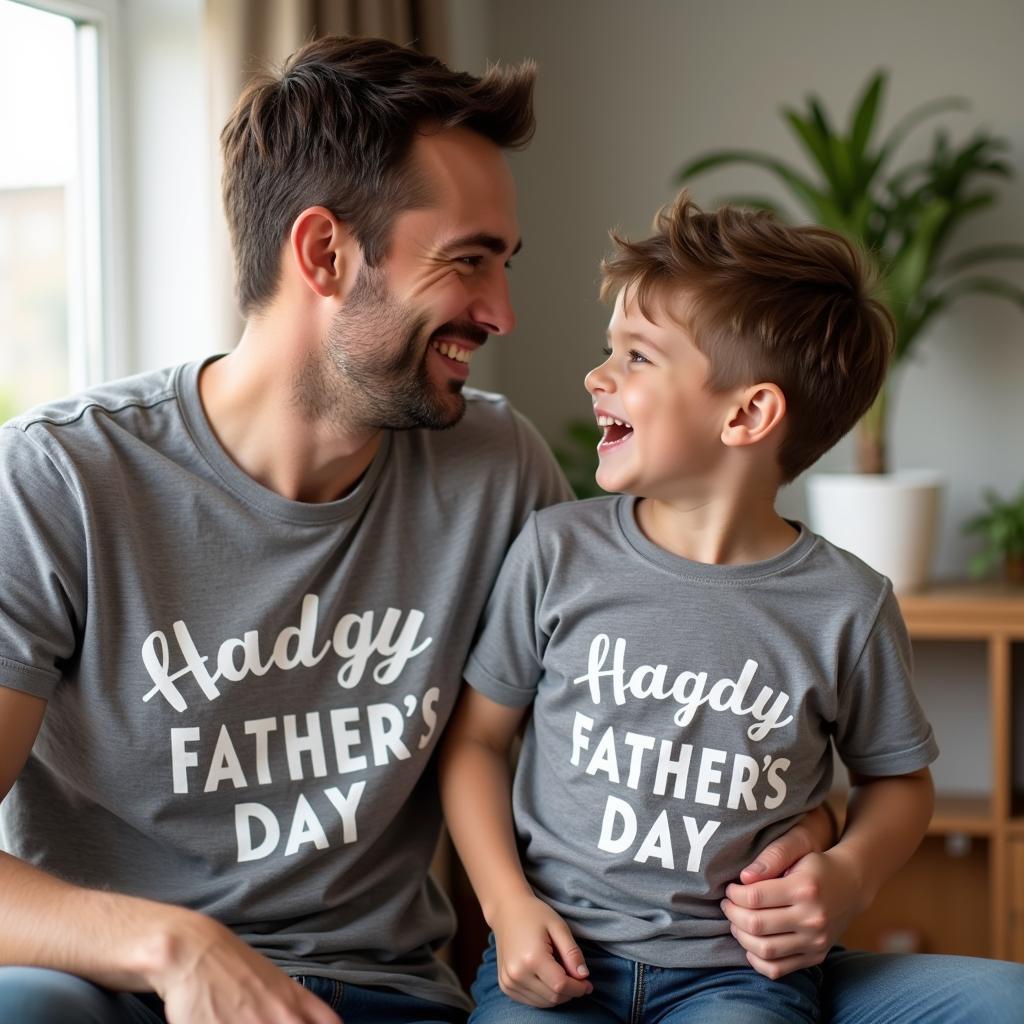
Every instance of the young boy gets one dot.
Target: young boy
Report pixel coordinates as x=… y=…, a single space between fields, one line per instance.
x=691 y=656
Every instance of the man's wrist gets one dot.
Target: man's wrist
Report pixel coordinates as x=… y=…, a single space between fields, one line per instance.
x=175 y=938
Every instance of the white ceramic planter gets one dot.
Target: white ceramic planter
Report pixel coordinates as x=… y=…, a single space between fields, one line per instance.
x=890 y=520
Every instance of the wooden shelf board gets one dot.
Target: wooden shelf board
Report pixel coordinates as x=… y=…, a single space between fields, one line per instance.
x=954 y=813
x=968 y=815
x=965 y=611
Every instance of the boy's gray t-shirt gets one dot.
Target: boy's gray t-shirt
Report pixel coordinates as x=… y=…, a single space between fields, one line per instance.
x=683 y=716
x=245 y=692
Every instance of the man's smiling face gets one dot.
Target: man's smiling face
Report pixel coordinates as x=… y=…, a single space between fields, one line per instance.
x=403 y=341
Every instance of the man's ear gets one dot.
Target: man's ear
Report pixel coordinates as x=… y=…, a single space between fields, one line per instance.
x=759 y=411
x=323 y=251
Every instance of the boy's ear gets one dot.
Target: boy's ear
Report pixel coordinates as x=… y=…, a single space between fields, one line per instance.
x=759 y=411
x=324 y=252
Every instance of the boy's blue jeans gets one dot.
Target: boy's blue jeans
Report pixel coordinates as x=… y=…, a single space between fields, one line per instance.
x=633 y=993
x=29 y=995
x=857 y=988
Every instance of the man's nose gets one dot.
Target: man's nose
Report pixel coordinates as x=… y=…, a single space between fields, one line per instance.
x=492 y=306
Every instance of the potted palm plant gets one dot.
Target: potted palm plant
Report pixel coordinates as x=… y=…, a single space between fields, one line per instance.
x=904 y=219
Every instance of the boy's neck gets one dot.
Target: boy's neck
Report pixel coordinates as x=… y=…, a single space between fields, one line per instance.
x=717 y=532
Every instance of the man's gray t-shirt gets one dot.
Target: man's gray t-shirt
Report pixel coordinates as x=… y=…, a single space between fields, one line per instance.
x=683 y=716
x=245 y=692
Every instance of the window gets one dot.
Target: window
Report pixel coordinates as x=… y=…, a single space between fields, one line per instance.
x=54 y=287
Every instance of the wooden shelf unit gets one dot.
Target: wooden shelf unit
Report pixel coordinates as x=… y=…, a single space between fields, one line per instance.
x=974 y=902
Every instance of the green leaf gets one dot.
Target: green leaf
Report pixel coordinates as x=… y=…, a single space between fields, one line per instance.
x=816 y=202
x=816 y=145
x=907 y=272
x=910 y=121
x=985 y=286
x=983 y=254
x=862 y=123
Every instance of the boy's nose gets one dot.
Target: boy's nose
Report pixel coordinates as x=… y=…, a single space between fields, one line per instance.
x=598 y=381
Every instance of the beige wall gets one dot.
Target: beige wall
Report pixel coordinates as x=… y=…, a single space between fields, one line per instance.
x=628 y=91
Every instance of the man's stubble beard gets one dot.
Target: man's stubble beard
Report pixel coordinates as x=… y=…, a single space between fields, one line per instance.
x=358 y=379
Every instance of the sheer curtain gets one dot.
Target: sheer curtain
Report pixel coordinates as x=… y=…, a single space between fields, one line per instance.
x=243 y=36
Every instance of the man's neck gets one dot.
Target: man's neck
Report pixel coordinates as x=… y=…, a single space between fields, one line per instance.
x=248 y=398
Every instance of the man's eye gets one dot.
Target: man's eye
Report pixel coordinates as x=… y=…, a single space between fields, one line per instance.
x=470 y=261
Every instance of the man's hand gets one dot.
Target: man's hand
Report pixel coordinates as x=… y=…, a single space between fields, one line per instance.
x=791 y=922
x=794 y=900
x=539 y=962
x=208 y=975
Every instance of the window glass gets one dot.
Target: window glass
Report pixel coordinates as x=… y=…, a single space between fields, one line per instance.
x=41 y=205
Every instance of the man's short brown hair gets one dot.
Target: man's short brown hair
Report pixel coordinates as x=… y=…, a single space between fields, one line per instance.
x=335 y=128
x=766 y=302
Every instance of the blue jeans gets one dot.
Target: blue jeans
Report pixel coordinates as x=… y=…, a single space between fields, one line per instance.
x=30 y=995
x=626 y=992
x=857 y=988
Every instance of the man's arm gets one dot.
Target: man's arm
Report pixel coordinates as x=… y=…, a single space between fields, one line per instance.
x=539 y=962
x=204 y=973
x=792 y=920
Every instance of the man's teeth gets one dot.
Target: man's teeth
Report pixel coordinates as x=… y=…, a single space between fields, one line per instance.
x=608 y=421
x=456 y=352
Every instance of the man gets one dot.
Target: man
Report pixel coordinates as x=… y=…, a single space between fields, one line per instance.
x=237 y=595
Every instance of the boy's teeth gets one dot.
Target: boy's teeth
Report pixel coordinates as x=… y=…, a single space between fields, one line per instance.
x=608 y=421
x=456 y=352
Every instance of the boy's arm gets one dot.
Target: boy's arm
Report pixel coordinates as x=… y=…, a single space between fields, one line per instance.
x=202 y=970
x=539 y=962
x=792 y=921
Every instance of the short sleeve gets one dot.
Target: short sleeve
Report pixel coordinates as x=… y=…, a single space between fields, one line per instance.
x=541 y=480
x=42 y=566
x=506 y=661
x=882 y=729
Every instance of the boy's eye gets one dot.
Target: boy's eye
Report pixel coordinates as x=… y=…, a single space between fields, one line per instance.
x=637 y=357
x=606 y=350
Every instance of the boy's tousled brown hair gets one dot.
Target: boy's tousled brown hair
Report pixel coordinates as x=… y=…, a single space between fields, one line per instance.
x=334 y=128
x=764 y=301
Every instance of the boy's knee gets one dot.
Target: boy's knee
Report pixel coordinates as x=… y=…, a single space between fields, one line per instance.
x=32 y=995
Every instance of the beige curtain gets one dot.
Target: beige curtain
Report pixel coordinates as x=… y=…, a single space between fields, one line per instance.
x=242 y=36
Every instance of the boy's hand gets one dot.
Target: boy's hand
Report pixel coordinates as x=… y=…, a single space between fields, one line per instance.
x=791 y=922
x=539 y=962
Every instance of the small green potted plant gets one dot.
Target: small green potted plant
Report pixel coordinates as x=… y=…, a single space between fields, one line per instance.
x=1001 y=531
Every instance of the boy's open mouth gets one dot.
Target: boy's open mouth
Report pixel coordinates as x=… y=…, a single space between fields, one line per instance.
x=615 y=431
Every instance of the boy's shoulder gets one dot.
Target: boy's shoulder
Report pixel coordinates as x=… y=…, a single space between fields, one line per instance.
x=842 y=578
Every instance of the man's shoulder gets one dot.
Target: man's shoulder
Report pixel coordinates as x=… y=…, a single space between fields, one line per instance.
x=75 y=415
x=571 y=518
x=490 y=412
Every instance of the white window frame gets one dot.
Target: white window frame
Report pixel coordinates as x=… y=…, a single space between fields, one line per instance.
x=97 y=292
